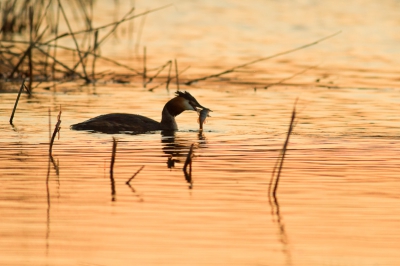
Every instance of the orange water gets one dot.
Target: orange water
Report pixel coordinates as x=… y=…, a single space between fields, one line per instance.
x=337 y=201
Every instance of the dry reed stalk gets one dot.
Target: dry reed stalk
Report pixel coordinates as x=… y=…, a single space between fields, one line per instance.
x=188 y=175
x=131 y=27
x=33 y=26
x=116 y=24
x=76 y=43
x=34 y=43
x=262 y=59
x=176 y=75
x=70 y=71
x=158 y=72
x=169 y=76
x=135 y=174
x=114 y=149
x=27 y=51
x=55 y=45
x=287 y=78
x=17 y=100
x=99 y=42
x=169 y=79
x=82 y=54
x=90 y=53
x=45 y=65
x=95 y=45
x=30 y=45
x=107 y=25
x=141 y=26
x=144 y=67
x=82 y=7
x=49 y=125
x=283 y=153
x=56 y=130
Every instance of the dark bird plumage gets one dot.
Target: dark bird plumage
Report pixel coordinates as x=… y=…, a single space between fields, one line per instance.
x=121 y=122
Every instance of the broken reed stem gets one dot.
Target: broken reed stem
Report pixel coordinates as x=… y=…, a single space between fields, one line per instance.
x=144 y=67
x=16 y=101
x=56 y=130
x=75 y=41
x=114 y=149
x=262 y=59
x=135 y=174
x=177 y=75
x=283 y=153
x=188 y=175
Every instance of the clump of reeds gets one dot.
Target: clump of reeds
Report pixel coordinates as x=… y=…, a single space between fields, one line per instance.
x=38 y=57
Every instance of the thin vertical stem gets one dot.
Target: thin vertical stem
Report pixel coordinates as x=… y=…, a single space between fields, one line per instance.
x=30 y=45
x=169 y=75
x=177 y=75
x=144 y=67
x=56 y=130
x=284 y=150
x=16 y=101
x=114 y=149
x=75 y=41
x=94 y=53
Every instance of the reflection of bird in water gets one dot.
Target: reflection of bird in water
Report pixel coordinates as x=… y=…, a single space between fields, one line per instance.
x=117 y=122
x=172 y=148
x=177 y=148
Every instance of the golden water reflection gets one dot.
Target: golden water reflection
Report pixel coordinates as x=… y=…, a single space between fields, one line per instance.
x=337 y=202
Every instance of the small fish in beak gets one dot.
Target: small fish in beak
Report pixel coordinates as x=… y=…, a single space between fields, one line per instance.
x=203 y=114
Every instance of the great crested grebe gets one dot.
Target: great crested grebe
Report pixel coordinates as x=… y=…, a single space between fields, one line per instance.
x=119 y=122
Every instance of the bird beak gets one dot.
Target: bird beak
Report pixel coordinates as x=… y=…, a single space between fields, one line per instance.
x=196 y=106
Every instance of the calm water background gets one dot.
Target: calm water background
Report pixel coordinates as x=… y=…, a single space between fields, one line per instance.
x=338 y=201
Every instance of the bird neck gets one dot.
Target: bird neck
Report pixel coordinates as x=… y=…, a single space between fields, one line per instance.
x=168 y=120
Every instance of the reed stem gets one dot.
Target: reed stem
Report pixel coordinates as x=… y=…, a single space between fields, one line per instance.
x=16 y=101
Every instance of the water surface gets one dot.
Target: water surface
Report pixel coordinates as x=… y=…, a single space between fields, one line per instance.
x=337 y=200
